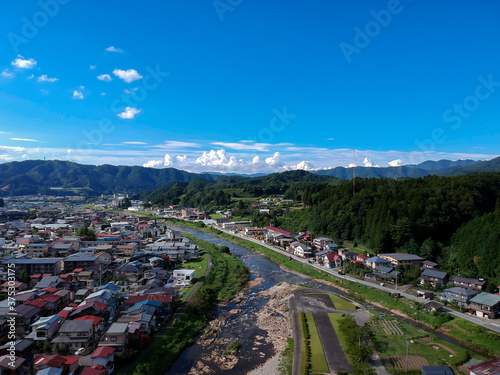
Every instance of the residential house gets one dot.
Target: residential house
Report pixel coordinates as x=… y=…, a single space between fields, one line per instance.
x=49 y=282
x=76 y=334
x=81 y=294
x=484 y=305
x=184 y=276
x=490 y=367
x=301 y=250
x=45 y=328
x=68 y=364
x=25 y=316
x=104 y=356
x=78 y=260
x=429 y=264
x=375 y=262
x=13 y=286
x=465 y=282
x=402 y=259
x=385 y=273
x=332 y=260
x=21 y=348
x=13 y=365
x=116 y=337
x=322 y=242
x=459 y=295
x=435 y=277
x=132 y=273
x=433 y=307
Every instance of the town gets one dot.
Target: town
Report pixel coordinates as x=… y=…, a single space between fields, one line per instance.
x=92 y=283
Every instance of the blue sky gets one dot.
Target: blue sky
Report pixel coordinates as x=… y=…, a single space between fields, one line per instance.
x=249 y=86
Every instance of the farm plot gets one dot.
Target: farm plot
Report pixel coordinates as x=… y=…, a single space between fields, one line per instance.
x=415 y=362
x=388 y=327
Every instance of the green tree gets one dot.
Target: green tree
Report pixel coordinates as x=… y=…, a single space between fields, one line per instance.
x=24 y=277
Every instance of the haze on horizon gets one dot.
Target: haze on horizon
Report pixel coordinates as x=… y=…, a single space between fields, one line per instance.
x=249 y=87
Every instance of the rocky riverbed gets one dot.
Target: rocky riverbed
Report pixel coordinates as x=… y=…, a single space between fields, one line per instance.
x=272 y=319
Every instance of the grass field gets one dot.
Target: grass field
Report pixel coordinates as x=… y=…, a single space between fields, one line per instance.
x=318 y=360
x=340 y=304
x=474 y=335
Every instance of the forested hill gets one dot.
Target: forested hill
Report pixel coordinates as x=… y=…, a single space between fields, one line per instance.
x=389 y=215
x=221 y=193
x=41 y=177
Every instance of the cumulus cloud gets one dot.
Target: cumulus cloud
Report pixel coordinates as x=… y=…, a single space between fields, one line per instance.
x=396 y=163
x=23 y=63
x=114 y=49
x=104 y=77
x=44 y=78
x=275 y=160
x=303 y=165
x=368 y=163
x=129 y=113
x=128 y=75
x=77 y=94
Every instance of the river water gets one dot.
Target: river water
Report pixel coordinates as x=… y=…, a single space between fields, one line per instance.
x=242 y=326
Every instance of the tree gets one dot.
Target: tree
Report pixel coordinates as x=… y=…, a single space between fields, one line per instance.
x=86 y=231
x=24 y=277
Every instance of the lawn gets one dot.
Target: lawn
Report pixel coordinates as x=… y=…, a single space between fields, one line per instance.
x=215 y=216
x=200 y=266
x=318 y=360
x=358 y=250
x=340 y=304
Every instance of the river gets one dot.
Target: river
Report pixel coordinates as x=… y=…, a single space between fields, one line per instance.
x=242 y=326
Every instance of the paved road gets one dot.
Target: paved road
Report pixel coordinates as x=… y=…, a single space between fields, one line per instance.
x=177 y=314
x=473 y=319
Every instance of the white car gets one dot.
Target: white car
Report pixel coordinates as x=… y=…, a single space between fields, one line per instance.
x=80 y=351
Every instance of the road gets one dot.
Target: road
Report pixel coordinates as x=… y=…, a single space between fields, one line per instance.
x=177 y=314
x=481 y=322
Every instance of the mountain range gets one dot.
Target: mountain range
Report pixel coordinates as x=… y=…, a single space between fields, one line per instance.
x=59 y=177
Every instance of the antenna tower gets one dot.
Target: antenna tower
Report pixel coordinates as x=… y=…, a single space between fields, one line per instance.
x=353 y=172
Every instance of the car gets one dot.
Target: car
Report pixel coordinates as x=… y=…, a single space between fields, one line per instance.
x=340 y=272
x=80 y=351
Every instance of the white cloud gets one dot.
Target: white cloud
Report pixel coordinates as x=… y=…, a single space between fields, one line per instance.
x=92 y=67
x=7 y=74
x=128 y=75
x=275 y=160
x=129 y=113
x=396 y=163
x=31 y=76
x=134 y=143
x=103 y=93
x=176 y=145
x=304 y=165
x=368 y=163
x=44 y=92
x=244 y=146
x=77 y=94
x=330 y=139
x=22 y=63
x=44 y=78
x=114 y=49
x=82 y=87
x=129 y=91
x=24 y=139
x=104 y=77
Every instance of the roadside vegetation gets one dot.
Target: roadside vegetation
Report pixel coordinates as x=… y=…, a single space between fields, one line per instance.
x=312 y=355
x=286 y=363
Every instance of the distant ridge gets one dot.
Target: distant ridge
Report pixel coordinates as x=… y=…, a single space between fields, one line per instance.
x=60 y=177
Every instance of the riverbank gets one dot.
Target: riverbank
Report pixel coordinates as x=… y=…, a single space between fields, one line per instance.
x=479 y=339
